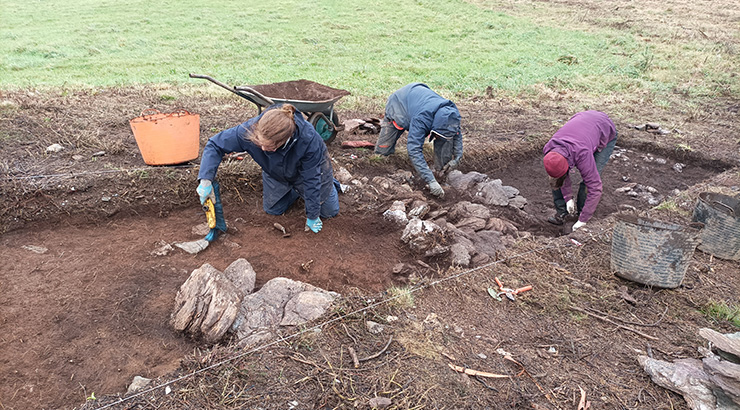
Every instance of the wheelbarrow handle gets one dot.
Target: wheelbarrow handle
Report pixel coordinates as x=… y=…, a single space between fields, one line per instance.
x=214 y=81
x=232 y=89
x=254 y=92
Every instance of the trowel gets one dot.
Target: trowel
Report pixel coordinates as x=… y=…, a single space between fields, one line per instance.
x=281 y=229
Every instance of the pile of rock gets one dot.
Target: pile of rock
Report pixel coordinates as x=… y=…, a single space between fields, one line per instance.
x=712 y=383
x=467 y=231
x=212 y=304
x=486 y=191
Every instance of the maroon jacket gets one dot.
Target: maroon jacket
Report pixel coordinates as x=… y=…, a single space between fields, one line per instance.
x=577 y=141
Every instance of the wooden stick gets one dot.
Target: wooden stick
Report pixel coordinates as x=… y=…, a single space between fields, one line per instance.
x=627 y=322
x=364 y=359
x=354 y=356
x=606 y=319
x=471 y=372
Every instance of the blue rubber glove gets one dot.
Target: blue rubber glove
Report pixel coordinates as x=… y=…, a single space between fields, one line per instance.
x=205 y=191
x=314 y=224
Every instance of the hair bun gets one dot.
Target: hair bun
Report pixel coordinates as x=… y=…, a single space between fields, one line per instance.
x=290 y=109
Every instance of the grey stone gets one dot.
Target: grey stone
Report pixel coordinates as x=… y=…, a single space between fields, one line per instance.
x=491 y=193
x=343 y=176
x=436 y=251
x=396 y=216
x=501 y=225
x=263 y=310
x=374 y=327
x=352 y=125
x=193 y=247
x=402 y=176
x=480 y=259
x=421 y=235
x=472 y=223
x=460 y=255
x=518 y=202
x=163 y=249
x=137 y=384
x=383 y=183
x=54 y=148
x=464 y=183
x=437 y=214
x=488 y=242
x=419 y=209
x=510 y=191
x=78 y=157
x=206 y=304
x=380 y=402
x=242 y=275
x=98 y=154
x=466 y=209
x=401 y=269
x=306 y=306
x=454 y=231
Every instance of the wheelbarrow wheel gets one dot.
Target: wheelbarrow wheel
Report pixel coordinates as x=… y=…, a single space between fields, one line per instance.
x=324 y=127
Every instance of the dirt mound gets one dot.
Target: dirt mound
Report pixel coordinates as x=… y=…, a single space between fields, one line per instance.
x=302 y=90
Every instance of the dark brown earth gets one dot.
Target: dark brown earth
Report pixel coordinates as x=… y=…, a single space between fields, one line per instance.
x=91 y=313
x=303 y=90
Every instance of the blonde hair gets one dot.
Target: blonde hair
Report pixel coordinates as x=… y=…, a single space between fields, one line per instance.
x=275 y=126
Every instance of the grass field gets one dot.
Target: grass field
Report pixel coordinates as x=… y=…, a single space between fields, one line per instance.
x=367 y=48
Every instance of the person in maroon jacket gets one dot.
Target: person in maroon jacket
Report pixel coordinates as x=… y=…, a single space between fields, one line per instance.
x=585 y=142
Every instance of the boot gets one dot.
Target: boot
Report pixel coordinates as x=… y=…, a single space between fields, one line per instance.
x=557 y=219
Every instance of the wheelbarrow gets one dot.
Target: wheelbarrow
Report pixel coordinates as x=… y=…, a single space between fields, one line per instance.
x=314 y=100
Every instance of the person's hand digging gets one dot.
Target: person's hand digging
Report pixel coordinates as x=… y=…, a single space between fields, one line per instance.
x=436 y=189
x=205 y=191
x=314 y=225
x=571 y=206
x=450 y=166
x=578 y=225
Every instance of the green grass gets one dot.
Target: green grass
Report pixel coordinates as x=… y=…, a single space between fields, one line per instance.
x=404 y=299
x=722 y=311
x=366 y=48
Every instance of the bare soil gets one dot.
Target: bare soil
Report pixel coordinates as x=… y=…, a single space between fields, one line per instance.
x=92 y=312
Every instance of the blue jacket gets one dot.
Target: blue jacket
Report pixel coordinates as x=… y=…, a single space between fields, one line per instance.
x=302 y=164
x=419 y=110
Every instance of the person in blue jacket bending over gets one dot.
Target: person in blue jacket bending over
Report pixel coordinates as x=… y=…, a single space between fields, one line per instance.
x=423 y=113
x=294 y=160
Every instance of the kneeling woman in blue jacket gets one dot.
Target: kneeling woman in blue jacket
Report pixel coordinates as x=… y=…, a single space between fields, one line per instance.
x=294 y=160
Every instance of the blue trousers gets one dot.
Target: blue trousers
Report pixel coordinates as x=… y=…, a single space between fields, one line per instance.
x=329 y=207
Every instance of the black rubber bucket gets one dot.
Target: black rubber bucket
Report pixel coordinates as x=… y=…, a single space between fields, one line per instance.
x=652 y=252
x=720 y=215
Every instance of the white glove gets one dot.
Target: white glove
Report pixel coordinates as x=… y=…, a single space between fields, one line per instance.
x=577 y=225
x=571 y=206
x=436 y=189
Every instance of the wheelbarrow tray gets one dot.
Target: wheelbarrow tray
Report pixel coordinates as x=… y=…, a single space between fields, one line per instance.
x=305 y=95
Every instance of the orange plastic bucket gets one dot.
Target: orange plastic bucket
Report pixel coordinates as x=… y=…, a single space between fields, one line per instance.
x=167 y=138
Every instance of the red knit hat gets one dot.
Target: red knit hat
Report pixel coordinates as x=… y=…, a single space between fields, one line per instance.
x=555 y=164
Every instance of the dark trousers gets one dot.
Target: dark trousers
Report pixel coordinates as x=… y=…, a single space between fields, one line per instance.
x=601 y=158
